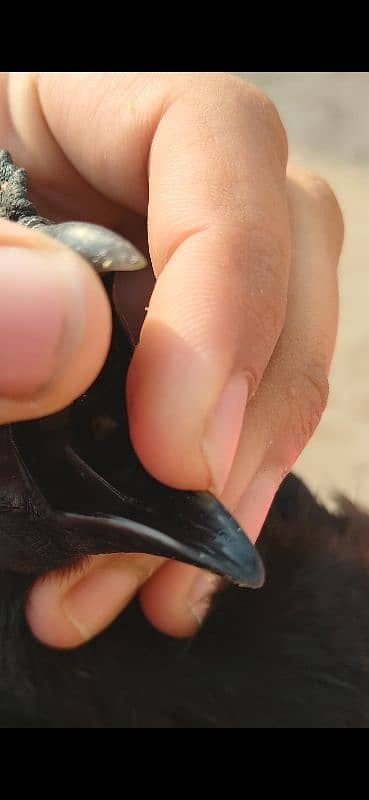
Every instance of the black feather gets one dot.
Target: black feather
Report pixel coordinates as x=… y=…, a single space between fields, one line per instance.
x=293 y=655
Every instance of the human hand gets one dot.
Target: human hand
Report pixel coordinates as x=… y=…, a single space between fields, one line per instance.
x=230 y=377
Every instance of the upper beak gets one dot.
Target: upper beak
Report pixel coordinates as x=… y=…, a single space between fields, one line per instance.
x=105 y=250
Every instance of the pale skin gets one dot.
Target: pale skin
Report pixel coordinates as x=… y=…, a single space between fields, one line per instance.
x=230 y=377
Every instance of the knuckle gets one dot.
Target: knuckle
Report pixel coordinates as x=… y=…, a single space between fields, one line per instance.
x=241 y=95
x=309 y=398
x=268 y=116
x=312 y=181
x=324 y=197
x=319 y=185
x=324 y=192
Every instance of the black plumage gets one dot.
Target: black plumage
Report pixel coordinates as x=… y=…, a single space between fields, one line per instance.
x=295 y=654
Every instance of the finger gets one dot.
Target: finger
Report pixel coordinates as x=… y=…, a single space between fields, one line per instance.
x=55 y=324
x=67 y=609
x=177 y=598
x=287 y=406
x=294 y=391
x=219 y=242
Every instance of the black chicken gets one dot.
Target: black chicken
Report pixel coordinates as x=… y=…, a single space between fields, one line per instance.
x=294 y=654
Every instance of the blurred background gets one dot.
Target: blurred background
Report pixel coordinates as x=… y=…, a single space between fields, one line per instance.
x=326 y=116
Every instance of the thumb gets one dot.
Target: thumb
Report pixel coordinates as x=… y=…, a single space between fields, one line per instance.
x=55 y=324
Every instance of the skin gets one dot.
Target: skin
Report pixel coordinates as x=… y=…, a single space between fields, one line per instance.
x=230 y=376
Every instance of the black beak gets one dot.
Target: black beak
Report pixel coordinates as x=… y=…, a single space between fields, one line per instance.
x=114 y=505
x=149 y=517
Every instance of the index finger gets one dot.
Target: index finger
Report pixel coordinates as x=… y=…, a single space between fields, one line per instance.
x=220 y=245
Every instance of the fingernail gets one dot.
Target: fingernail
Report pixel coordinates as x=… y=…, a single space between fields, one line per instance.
x=254 y=505
x=93 y=602
x=224 y=429
x=41 y=318
x=201 y=594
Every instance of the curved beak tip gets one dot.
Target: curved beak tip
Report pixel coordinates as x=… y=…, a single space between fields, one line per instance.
x=242 y=566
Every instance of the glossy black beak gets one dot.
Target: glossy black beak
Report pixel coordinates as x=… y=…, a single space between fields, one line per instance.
x=192 y=527
x=116 y=506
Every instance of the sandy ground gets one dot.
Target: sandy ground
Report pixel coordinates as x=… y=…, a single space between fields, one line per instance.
x=326 y=115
